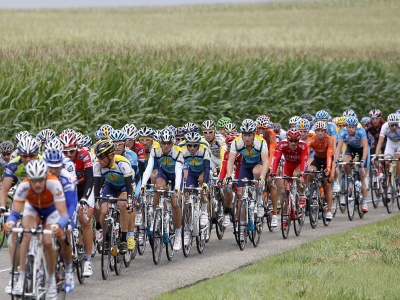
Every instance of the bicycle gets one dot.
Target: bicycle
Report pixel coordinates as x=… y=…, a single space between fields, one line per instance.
x=35 y=270
x=218 y=206
x=111 y=238
x=291 y=213
x=375 y=181
x=163 y=227
x=142 y=230
x=353 y=190
x=245 y=208
x=191 y=222
x=317 y=199
x=390 y=184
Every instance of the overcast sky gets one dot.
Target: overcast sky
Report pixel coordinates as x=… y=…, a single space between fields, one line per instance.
x=24 y=4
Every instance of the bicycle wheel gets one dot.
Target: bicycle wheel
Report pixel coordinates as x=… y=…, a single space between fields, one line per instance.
x=142 y=236
x=285 y=216
x=118 y=263
x=235 y=217
x=106 y=249
x=78 y=257
x=389 y=196
x=358 y=203
x=342 y=193
x=60 y=274
x=268 y=215
x=350 y=198
x=256 y=233
x=299 y=222
x=201 y=240
x=127 y=257
x=242 y=230
x=374 y=184
x=397 y=185
x=314 y=206
x=324 y=208
x=29 y=280
x=157 y=237
x=219 y=229
x=171 y=240
x=187 y=229
x=41 y=280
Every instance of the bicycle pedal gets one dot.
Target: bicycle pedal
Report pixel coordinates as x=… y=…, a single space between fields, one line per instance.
x=114 y=251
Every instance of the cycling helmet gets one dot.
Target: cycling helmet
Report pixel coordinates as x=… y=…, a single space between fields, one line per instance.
x=53 y=157
x=78 y=135
x=166 y=136
x=36 y=169
x=130 y=130
x=262 y=121
x=223 y=121
x=68 y=130
x=84 y=141
x=334 y=120
x=230 y=138
x=20 y=135
x=104 y=148
x=96 y=135
x=180 y=131
x=248 y=126
x=398 y=112
x=157 y=134
x=341 y=120
x=46 y=135
x=365 y=120
x=276 y=126
x=320 y=125
x=192 y=127
x=393 y=119
x=54 y=144
x=117 y=135
x=375 y=113
x=293 y=134
x=303 y=124
x=230 y=128
x=352 y=121
x=322 y=115
x=145 y=131
x=308 y=117
x=28 y=146
x=192 y=137
x=208 y=125
x=6 y=147
x=349 y=113
x=68 y=139
x=106 y=130
x=293 y=120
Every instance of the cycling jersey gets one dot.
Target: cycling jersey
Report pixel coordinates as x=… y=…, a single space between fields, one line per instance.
x=71 y=196
x=132 y=157
x=224 y=164
x=16 y=169
x=393 y=136
x=115 y=174
x=324 y=148
x=374 y=131
x=271 y=143
x=52 y=193
x=293 y=158
x=3 y=163
x=252 y=155
x=280 y=136
x=196 y=162
x=354 y=140
x=147 y=153
x=139 y=150
x=69 y=166
x=82 y=161
x=216 y=146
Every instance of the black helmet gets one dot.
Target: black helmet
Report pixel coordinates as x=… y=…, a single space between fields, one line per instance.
x=104 y=148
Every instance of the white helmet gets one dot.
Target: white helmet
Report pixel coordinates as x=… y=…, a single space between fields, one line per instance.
x=293 y=120
x=36 y=169
x=130 y=130
x=393 y=118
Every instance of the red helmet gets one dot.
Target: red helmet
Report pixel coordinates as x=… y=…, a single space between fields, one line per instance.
x=68 y=139
x=293 y=134
x=229 y=138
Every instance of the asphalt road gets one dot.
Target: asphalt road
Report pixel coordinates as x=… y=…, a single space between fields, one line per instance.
x=147 y=280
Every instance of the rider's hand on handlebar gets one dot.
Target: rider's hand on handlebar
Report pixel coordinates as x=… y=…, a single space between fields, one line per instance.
x=143 y=189
x=8 y=226
x=327 y=172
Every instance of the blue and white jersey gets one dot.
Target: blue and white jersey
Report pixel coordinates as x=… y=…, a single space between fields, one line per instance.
x=68 y=183
x=116 y=173
x=196 y=162
x=69 y=165
x=354 y=140
x=132 y=157
x=394 y=136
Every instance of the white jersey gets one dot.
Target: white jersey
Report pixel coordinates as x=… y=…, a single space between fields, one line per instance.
x=393 y=136
x=215 y=147
x=70 y=167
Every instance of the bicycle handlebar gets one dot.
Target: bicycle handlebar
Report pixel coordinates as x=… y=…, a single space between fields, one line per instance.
x=32 y=230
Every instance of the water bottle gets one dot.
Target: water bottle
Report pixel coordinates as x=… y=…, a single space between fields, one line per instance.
x=322 y=192
x=358 y=185
x=251 y=210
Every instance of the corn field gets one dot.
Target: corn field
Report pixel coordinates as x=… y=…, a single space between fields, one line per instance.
x=83 y=91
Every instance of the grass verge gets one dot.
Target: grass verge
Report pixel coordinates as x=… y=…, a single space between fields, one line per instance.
x=359 y=264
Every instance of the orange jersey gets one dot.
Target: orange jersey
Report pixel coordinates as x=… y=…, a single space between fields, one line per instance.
x=271 y=144
x=324 y=148
x=52 y=193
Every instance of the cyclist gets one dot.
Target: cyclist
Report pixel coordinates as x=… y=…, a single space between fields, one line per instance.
x=324 y=149
x=41 y=196
x=323 y=116
x=296 y=155
x=279 y=132
x=215 y=140
x=170 y=160
x=293 y=121
x=119 y=139
x=374 y=128
x=197 y=158
x=44 y=136
x=54 y=160
x=28 y=148
x=146 y=138
x=116 y=174
x=254 y=151
x=357 y=143
x=179 y=135
x=132 y=144
x=230 y=128
x=221 y=125
x=6 y=149
x=390 y=131
x=84 y=175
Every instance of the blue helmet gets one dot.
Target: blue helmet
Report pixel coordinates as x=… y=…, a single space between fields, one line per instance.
x=117 y=135
x=303 y=124
x=53 y=157
x=349 y=113
x=353 y=121
x=322 y=114
x=365 y=120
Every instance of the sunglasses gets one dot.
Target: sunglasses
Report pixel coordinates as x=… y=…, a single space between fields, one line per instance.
x=304 y=131
x=293 y=141
x=130 y=140
x=192 y=145
x=119 y=144
x=393 y=125
x=28 y=155
x=69 y=151
x=208 y=132
x=6 y=154
x=145 y=139
x=101 y=156
x=166 y=143
x=34 y=180
x=178 y=139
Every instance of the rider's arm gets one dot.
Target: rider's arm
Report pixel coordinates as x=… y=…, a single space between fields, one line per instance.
x=304 y=159
x=264 y=159
x=272 y=145
x=364 y=142
x=178 y=172
x=128 y=185
x=277 y=157
x=224 y=162
x=330 y=152
x=149 y=168
x=88 y=183
x=379 y=146
x=231 y=159
x=5 y=187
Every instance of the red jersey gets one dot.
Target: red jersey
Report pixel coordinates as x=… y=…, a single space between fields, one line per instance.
x=140 y=151
x=293 y=158
x=224 y=163
x=82 y=161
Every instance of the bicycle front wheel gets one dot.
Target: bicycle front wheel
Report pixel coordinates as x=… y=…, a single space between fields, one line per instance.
x=314 y=206
x=299 y=222
x=285 y=217
x=157 y=237
x=390 y=196
x=397 y=190
x=256 y=233
x=350 y=198
x=219 y=229
x=187 y=229
x=29 y=280
x=106 y=249
x=374 y=184
x=171 y=240
x=242 y=230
